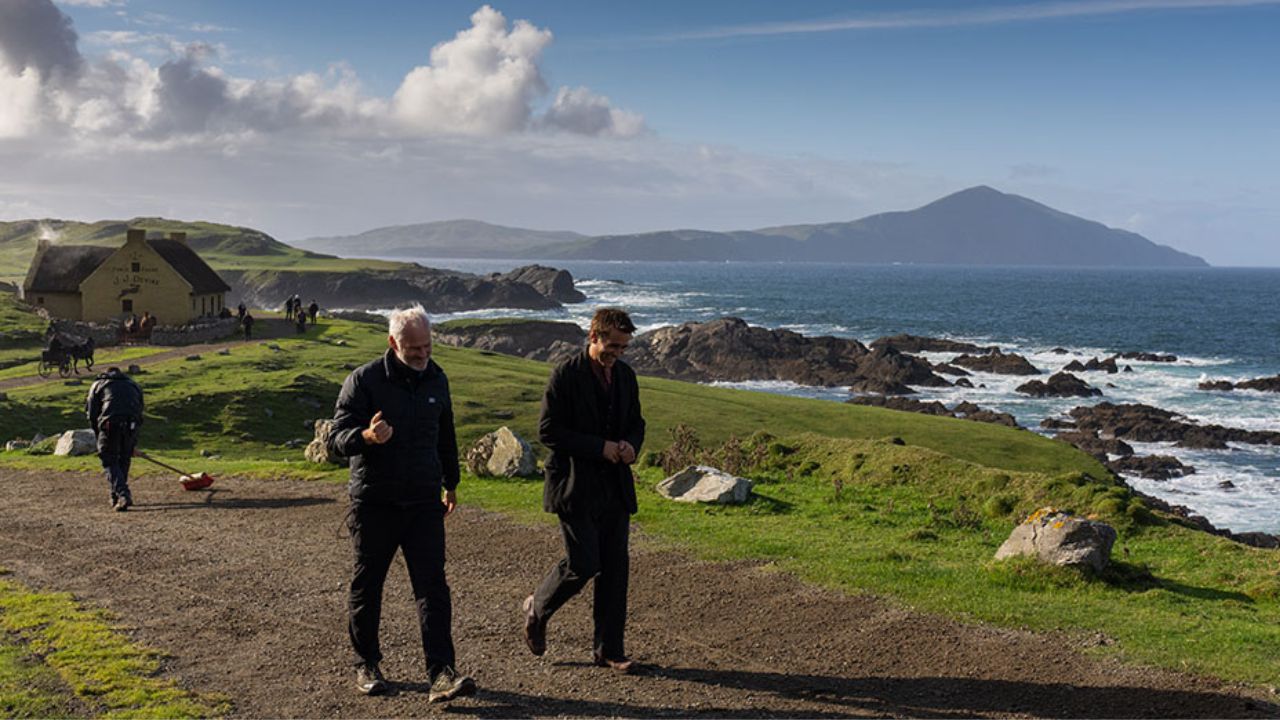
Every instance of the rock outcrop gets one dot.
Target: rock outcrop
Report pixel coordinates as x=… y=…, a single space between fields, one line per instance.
x=1060 y=538
x=997 y=362
x=501 y=453
x=1265 y=384
x=1061 y=384
x=729 y=349
x=961 y=411
x=1144 y=423
x=916 y=343
x=1148 y=357
x=531 y=339
x=704 y=484
x=552 y=282
x=1152 y=467
x=437 y=290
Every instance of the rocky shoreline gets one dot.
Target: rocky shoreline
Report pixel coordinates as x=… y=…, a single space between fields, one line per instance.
x=532 y=287
x=880 y=374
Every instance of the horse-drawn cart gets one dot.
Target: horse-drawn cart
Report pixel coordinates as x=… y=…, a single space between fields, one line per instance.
x=66 y=359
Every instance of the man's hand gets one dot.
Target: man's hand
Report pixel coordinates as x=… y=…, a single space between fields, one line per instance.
x=612 y=452
x=626 y=453
x=378 y=431
x=450 y=501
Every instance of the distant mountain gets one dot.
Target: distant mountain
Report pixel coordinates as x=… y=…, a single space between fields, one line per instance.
x=978 y=226
x=451 y=238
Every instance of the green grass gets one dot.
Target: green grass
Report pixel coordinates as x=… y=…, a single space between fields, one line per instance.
x=839 y=502
x=58 y=659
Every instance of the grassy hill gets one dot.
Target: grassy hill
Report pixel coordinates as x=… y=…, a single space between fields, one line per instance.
x=866 y=500
x=225 y=247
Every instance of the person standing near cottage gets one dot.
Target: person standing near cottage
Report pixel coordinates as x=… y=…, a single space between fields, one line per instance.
x=394 y=419
x=240 y=311
x=592 y=424
x=114 y=407
x=313 y=309
x=147 y=324
x=247 y=323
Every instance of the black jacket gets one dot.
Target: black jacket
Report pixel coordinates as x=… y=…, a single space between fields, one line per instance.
x=422 y=454
x=571 y=427
x=113 y=394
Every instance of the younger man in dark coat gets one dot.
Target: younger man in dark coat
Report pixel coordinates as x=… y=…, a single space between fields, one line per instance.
x=114 y=408
x=591 y=422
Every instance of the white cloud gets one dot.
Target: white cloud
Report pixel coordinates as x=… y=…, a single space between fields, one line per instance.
x=485 y=81
x=581 y=111
x=92 y=3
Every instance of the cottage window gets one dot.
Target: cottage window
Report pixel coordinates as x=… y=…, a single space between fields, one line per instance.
x=203 y=309
x=135 y=267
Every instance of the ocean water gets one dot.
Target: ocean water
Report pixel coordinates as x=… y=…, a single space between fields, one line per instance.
x=1222 y=323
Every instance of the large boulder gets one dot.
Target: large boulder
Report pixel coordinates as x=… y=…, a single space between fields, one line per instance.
x=1060 y=538
x=730 y=350
x=502 y=453
x=554 y=283
x=76 y=442
x=997 y=362
x=705 y=484
x=1062 y=384
x=1152 y=467
x=1268 y=384
x=318 y=449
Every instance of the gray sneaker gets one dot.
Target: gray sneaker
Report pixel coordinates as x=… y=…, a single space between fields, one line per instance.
x=449 y=684
x=369 y=680
x=122 y=503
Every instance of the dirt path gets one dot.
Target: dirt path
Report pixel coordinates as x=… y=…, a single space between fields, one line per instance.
x=263 y=329
x=245 y=587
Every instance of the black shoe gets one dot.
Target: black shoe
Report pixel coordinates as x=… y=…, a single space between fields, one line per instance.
x=369 y=680
x=449 y=684
x=535 y=633
x=122 y=503
x=114 y=498
x=623 y=665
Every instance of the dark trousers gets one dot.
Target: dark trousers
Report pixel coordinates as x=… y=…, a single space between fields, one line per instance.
x=376 y=533
x=115 y=450
x=595 y=547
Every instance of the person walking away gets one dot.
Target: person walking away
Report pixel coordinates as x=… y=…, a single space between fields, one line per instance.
x=591 y=422
x=394 y=420
x=247 y=323
x=240 y=311
x=300 y=322
x=288 y=308
x=313 y=309
x=115 y=408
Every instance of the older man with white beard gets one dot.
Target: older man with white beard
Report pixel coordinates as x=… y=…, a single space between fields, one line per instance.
x=394 y=419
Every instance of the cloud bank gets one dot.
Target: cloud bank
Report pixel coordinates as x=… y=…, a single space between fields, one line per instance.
x=485 y=81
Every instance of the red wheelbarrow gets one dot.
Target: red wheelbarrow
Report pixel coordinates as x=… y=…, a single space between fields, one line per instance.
x=190 y=481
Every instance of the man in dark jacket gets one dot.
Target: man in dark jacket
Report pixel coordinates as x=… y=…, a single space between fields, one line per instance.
x=114 y=408
x=394 y=419
x=591 y=422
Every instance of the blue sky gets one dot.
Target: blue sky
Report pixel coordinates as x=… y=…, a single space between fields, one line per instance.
x=329 y=116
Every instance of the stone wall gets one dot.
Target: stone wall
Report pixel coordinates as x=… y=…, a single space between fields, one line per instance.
x=201 y=331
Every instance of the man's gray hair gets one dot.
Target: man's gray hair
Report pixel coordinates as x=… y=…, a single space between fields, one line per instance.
x=404 y=317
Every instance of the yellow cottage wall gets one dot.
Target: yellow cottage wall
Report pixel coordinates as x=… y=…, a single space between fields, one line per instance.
x=154 y=287
x=60 y=305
